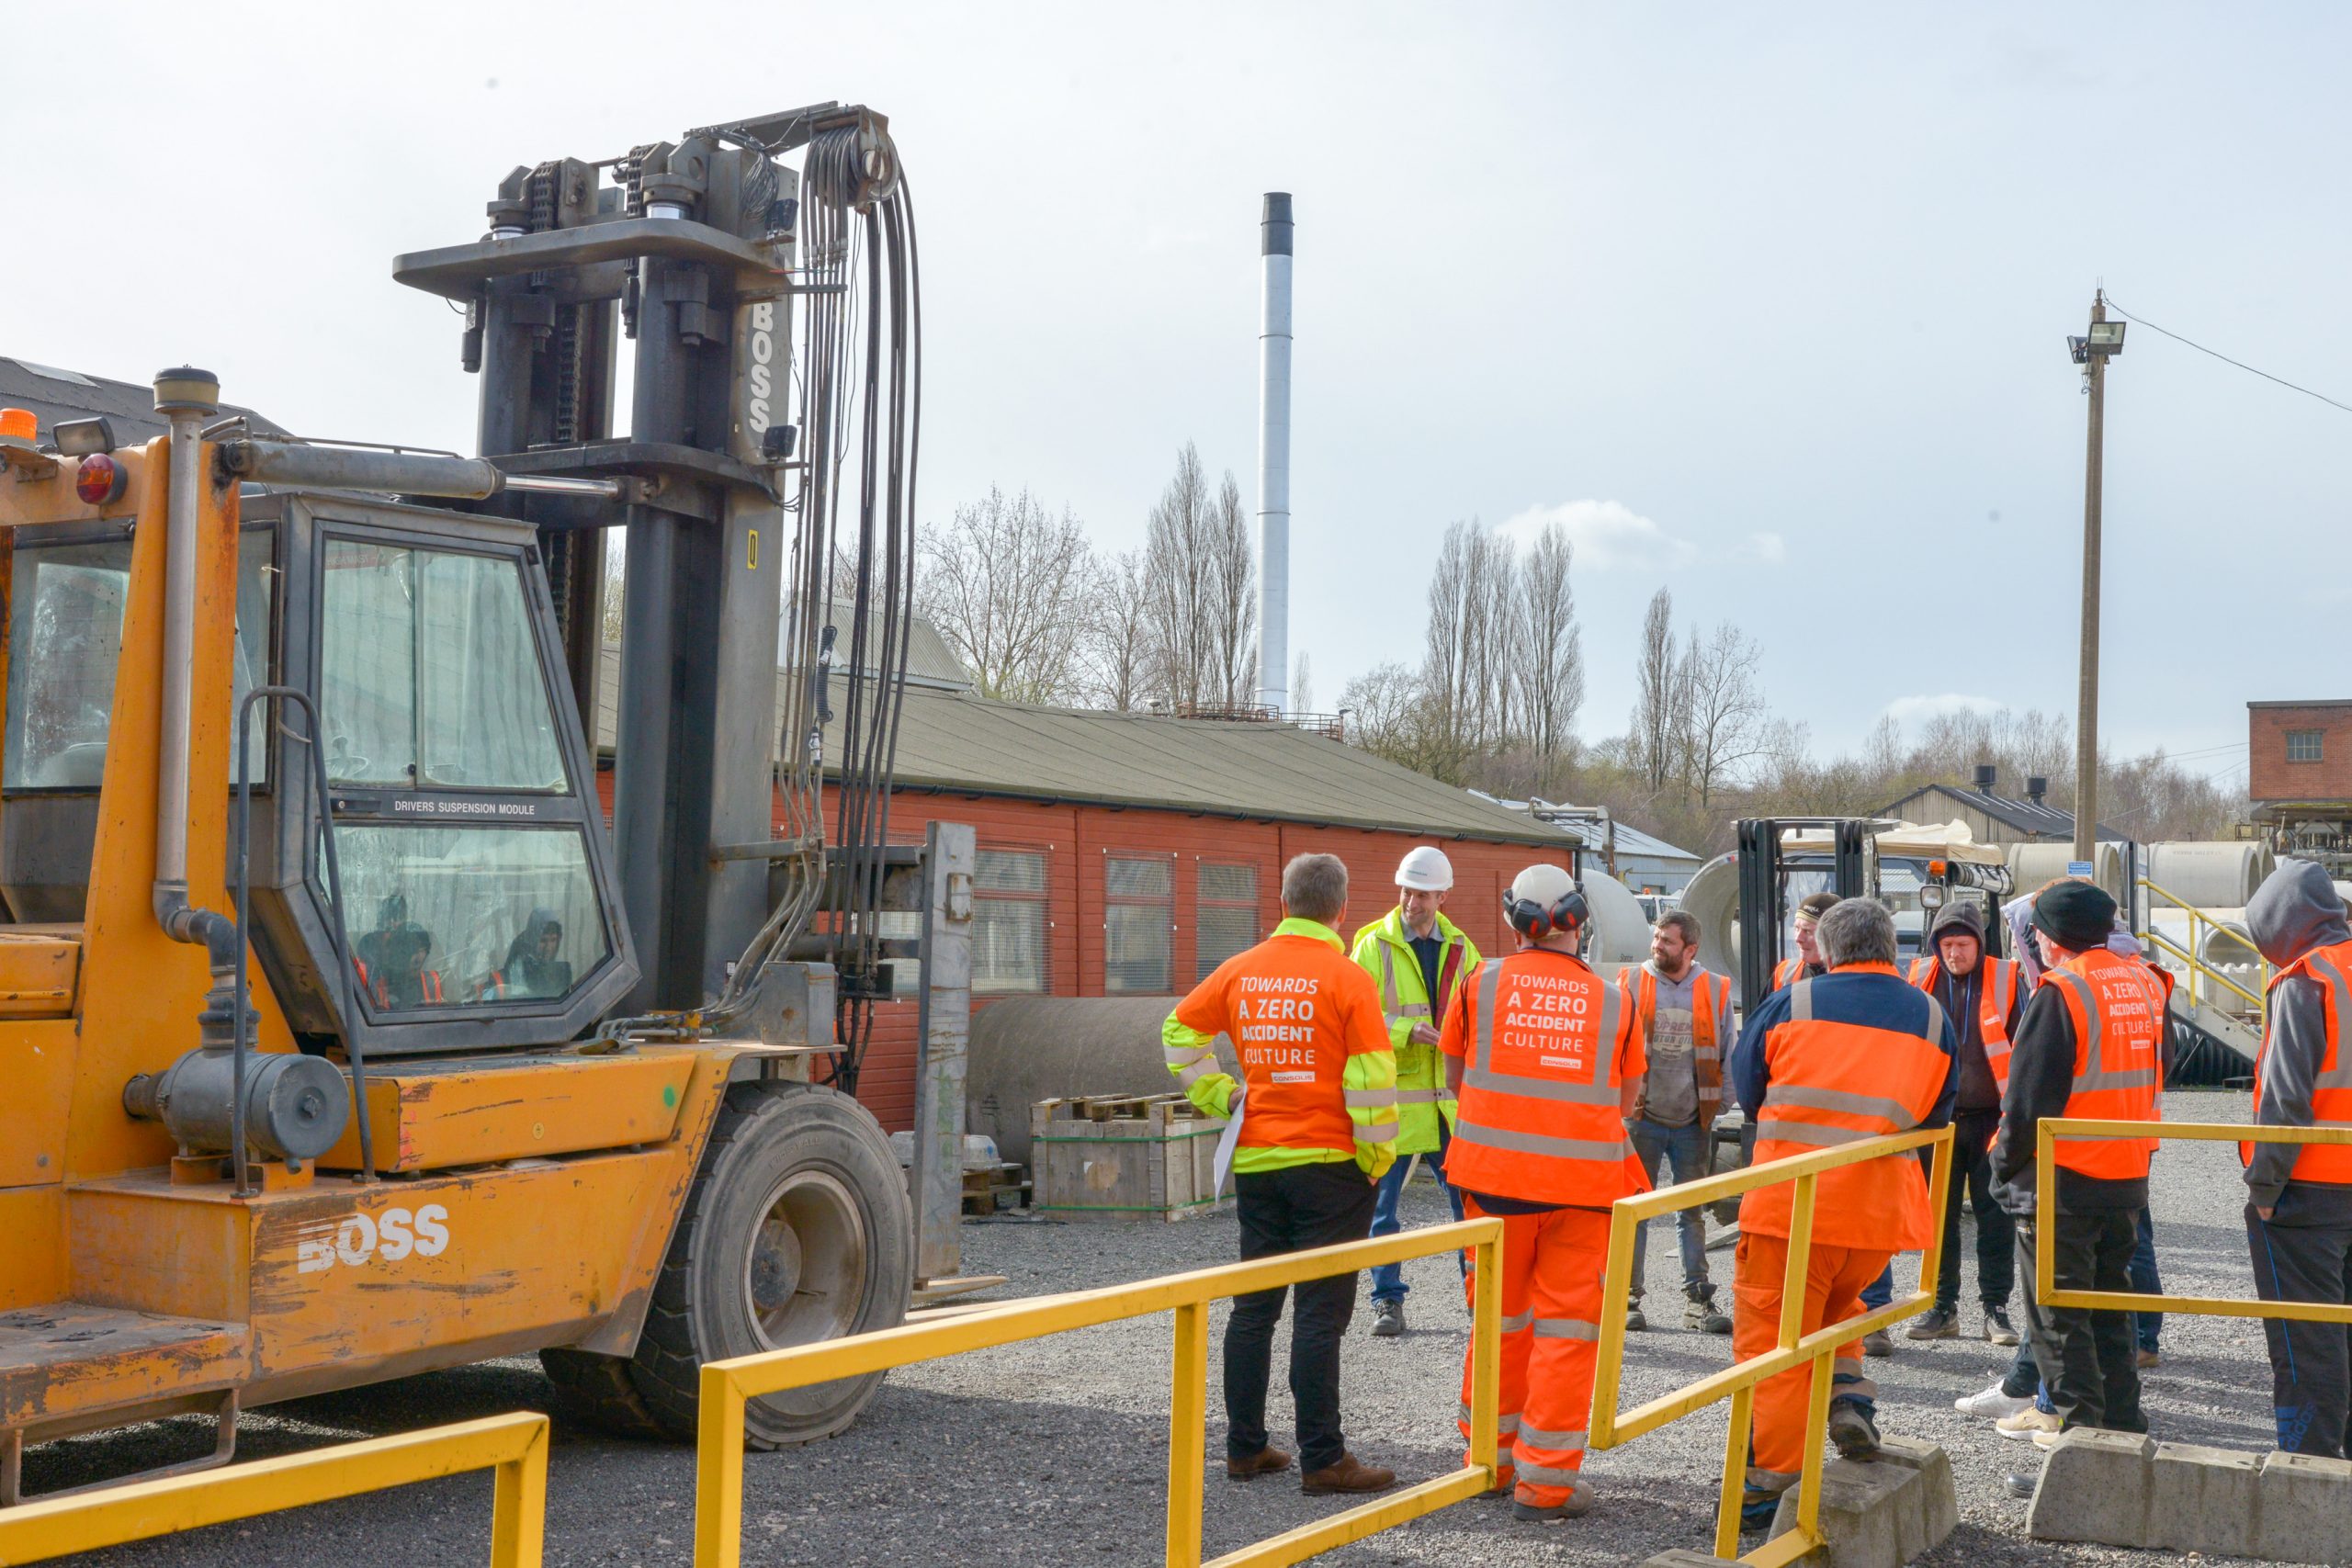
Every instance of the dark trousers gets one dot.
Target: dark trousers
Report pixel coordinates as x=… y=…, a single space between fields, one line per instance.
x=2086 y=1357
x=1290 y=1210
x=1972 y=1178
x=2310 y=1363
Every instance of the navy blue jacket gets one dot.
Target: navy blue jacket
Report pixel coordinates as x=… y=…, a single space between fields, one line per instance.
x=1875 y=1000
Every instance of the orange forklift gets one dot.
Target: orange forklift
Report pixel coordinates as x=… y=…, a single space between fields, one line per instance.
x=342 y=1039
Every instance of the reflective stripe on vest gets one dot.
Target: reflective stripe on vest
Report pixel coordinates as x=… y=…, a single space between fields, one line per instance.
x=1786 y=970
x=1390 y=1005
x=2331 y=1085
x=1508 y=1113
x=2116 y=1075
x=1883 y=1116
x=1994 y=1003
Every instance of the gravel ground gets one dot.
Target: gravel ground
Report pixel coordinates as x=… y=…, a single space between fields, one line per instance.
x=1055 y=1451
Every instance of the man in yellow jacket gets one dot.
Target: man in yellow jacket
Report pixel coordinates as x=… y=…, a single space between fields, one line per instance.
x=1419 y=958
x=1316 y=1109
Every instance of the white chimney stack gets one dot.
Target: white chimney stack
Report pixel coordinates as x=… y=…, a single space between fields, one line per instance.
x=1274 y=458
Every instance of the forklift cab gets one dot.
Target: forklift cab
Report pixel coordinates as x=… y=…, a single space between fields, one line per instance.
x=476 y=872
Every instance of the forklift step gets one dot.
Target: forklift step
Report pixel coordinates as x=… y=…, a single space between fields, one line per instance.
x=63 y=1363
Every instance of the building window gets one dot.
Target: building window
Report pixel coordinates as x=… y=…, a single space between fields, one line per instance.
x=1226 y=920
x=1009 y=922
x=2303 y=745
x=1138 y=925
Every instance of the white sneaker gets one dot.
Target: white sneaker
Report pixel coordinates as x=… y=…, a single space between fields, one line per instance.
x=1992 y=1403
x=2028 y=1425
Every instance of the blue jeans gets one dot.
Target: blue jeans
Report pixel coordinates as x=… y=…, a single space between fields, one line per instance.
x=1685 y=1149
x=1388 y=1279
x=2146 y=1326
x=1881 y=1290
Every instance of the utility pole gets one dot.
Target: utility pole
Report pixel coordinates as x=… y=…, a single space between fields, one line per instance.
x=2092 y=351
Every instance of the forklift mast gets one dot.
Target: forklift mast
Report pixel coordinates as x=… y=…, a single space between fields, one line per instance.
x=1763 y=900
x=693 y=253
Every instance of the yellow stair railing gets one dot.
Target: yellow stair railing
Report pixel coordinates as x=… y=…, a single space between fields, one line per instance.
x=514 y=1447
x=1610 y=1427
x=725 y=1385
x=2203 y=976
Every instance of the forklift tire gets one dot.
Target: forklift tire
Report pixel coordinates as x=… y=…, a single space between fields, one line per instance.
x=797 y=1229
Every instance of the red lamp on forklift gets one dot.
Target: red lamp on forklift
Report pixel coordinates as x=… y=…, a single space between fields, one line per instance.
x=99 y=479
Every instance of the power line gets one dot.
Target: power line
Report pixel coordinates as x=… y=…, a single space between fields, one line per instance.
x=2143 y=322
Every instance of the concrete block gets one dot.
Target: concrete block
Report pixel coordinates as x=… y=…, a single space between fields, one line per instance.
x=2202 y=1499
x=2306 y=1513
x=2094 y=1488
x=1939 y=1502
x=1882 y=1512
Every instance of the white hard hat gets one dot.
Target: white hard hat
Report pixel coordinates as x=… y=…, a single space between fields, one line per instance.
x=1426 y=869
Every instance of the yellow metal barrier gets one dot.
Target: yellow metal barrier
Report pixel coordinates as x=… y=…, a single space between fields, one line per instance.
x=2045 y=1267
x=1609 y=1426
x=2199 y=970
x=725 y=1385
x=514 y=1446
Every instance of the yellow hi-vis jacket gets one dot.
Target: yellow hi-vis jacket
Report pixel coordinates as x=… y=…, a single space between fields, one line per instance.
x=1389 y=959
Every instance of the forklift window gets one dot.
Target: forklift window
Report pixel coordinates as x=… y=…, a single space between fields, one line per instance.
x=430 y=676
x=454 y=916
x=64 y=635
x=1798 y=882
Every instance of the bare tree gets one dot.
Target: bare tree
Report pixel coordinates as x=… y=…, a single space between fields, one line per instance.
x=1013 y=590
x=1302 y=685
x=1119 y=652
x=1388 y=714
x=1232 y=675
x=1178 y=574
x=1655 y=723
x=1724 y=717
x=1547 y=667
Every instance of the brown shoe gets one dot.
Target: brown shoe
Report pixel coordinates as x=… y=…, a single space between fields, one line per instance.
x=1351 y=1474
x=1265 y=1461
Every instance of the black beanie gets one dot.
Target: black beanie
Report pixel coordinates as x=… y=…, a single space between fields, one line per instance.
x=2077 y=915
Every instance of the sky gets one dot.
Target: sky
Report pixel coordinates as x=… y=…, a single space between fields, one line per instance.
x=1768 y=305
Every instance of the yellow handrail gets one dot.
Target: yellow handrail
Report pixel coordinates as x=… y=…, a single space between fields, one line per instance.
x=1609 y=1428
x=2198 y=968
x=727 y=1385
x=2045 y=1270
x=514 y=1446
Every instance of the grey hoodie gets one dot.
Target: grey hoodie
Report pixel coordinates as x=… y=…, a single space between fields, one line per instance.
x=2293 y=912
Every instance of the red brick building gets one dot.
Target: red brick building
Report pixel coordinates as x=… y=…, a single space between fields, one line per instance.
x=1131 y=853
x=2300 y=752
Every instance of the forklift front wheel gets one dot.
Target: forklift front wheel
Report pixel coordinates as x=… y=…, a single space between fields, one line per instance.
x=797 y=1230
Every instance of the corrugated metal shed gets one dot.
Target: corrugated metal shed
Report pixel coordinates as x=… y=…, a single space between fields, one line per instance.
x=53 y=394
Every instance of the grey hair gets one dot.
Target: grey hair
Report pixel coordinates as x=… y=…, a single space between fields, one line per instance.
x=1314 y=888
x=1856 y=930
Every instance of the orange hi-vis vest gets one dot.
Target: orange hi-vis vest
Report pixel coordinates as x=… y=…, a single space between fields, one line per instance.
x=2117 y=1008
x=428 y=984
x=1297 y=1008
x=1995 y=999
x=2331 y=1087
x=1546 y=1045
x=1832 y=1082
x=1709 y=1000
x=1786 y=972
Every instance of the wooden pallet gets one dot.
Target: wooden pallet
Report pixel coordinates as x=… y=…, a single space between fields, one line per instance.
x=1150 y=1157
x=989 y=1189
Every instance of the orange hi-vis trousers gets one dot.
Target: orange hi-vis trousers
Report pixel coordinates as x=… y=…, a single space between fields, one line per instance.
x=1552 y=1266
x=1834 y=1287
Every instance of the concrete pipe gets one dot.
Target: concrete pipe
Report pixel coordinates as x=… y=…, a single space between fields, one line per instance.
x=1712 y=895
x=1621 y=931
x=2031 y=865
x=1026 y=1049
x=2208 y=875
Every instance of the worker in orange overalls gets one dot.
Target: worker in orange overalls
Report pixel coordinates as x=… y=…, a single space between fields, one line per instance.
x=1855 y=1052
x=1545 y=1059
x=1808 y=959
